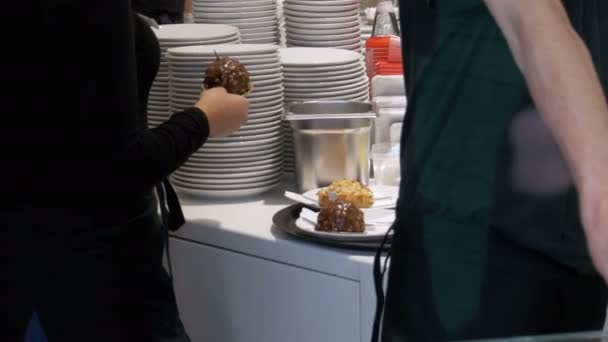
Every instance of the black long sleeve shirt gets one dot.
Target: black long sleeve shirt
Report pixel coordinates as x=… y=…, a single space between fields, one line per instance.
x=74 y=136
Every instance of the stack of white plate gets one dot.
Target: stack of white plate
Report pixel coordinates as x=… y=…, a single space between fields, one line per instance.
x=320 y=74
x=323 y=23
x=181 y=35
x=250 y=161
x=257 y=19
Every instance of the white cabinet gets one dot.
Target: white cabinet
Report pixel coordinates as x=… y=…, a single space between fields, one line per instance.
x=227 y=296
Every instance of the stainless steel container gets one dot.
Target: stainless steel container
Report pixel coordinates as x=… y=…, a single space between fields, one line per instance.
x=331 y=141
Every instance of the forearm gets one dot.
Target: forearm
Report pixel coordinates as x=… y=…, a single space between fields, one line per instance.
x=563 y=83
x=152 y=155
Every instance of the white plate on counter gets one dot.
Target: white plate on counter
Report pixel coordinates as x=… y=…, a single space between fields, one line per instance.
x=225 y=193
x=373 y=232
x=385 y=196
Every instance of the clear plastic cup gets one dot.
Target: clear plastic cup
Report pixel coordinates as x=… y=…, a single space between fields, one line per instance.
x=386 y=163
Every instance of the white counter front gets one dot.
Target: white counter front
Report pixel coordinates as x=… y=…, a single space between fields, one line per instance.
x=239 y=279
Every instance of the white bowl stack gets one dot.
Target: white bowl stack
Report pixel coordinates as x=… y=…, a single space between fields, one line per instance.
x=323 y=23
x=257 y=20
x=250 y=161
x=320 y=74
x=170 y=36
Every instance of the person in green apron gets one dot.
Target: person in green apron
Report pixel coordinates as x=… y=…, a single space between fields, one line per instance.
x=506 y=136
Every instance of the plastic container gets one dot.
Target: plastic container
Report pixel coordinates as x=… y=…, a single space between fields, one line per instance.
x=386 y=161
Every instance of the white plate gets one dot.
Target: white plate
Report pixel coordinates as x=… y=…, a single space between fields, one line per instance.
x=235 y=15
x=266 y=20
x=324 y=85
x=353 y=25
x=385 y=196
x=317 y=57
x=231 y=3
x=210 y=168
x=194 y=32
x=362 y=96
x=233 y=50
x=271 y=22
x=307 y=14
x=240 y=138
x=228 y=40
x=233 y=9
x=206 y=163
x=262 y=41
x=350 y=67
x=356 y=88
x=228 y=193
x=322 y=43
x=242 y=147
x=320 y=37
x=314 y=31
x=322 y=3
x=218 y=182
x=371 y=233
x=326 y=8
x=322 y=77
x=201 y=59
x=257 y=36
x=352 y=19
x=277 y=79
x=355 y=84
x=232 y=158
x=227 y=177
x=272 y=29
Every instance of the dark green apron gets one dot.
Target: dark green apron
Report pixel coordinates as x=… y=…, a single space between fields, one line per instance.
x=462 y=231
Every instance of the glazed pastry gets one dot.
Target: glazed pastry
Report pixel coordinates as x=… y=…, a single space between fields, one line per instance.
x=340 y=216
x=228 y=73
x=348 y=190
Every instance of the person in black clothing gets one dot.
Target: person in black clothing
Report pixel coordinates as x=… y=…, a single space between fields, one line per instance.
x=81 y=238
x=163 y=11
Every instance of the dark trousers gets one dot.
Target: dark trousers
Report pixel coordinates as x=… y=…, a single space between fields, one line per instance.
x=454 y=283
x=87 y=283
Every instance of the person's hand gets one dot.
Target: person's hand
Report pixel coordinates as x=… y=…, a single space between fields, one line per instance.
x=226 y=112
x=594 y=211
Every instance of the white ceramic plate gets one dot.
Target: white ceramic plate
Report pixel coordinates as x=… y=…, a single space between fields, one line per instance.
x=371 y=233
x=350 y=67
x=265 y=21
x=322 y=3
x=325 y=85
x=355 y=84
x=275 y=157
x=314 y=31
x=218 y=182
x=240 y=138
x=201 y=59
x=232 y=50
x=326 y=14
x=236 y=177
x=320 y=37
x=242 y=147
x=253 y=23
x=355 y=88
x=322 y=43
x=229 y=40
x=194 y=32
x=228 y=193
x=326 y=8
x=272 y=29
x=317 y=57
x=206 y=167
x=385 y=196
x=231 y=158
x=235 y=15
x=352 y=19
x=322 y=77
x=234 y=9
x=352 y=24
x=231 y=3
